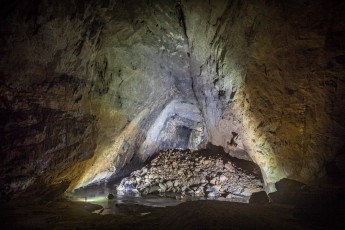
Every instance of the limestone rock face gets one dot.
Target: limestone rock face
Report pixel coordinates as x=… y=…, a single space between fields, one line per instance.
x=269 y=77
x=85 y=83
x=91 y=89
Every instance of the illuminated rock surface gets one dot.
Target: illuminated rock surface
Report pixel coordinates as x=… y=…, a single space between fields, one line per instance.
x=91 y=89
x=270 y=80
x=201 y=174
x=84 y=85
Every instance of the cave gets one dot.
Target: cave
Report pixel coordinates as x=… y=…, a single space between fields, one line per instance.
x=172 y=114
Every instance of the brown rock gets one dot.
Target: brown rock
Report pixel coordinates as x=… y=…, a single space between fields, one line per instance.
x=259 y=198
x=287 y=191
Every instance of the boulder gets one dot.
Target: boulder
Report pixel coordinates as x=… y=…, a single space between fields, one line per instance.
x=259 y=198
x=169 y=184
x=162 y=187
x=154 y=189
x=287 y=191
x=176 y=183
x=212 y=194
x=223 y=178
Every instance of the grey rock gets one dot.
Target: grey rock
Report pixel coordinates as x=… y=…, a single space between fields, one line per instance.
x=185 y=179
x=162 y=187
x=176 y=183
x=169 y=184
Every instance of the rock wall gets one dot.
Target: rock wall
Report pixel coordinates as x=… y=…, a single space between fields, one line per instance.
x=82 y=82
x=269 y=76
x=48 y=126
x=90 y=89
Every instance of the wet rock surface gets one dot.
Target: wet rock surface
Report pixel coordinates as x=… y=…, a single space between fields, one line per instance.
x=200 y=173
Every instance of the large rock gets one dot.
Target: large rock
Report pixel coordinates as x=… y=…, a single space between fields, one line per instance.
x=259 y=198
x=287 y=191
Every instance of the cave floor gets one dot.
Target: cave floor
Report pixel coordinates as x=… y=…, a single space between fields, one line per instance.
x=66 y=214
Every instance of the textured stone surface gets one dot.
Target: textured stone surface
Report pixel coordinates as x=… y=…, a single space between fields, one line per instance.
x=269 y=78
x=82 y=82
x=259 y=198
x=287 y=191
x=200 y=174
x=90 y=89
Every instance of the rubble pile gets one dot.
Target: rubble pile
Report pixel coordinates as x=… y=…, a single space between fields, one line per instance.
x=194 y=174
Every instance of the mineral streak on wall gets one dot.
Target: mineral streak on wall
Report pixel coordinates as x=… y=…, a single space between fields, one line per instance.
x=89 y=89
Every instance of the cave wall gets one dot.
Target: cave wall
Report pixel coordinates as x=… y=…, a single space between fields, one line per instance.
x=82 y=82
x=269 y=76
x=90 y=89
x=47 y=122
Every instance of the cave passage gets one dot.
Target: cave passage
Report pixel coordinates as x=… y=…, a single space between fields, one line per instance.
x=161 y=102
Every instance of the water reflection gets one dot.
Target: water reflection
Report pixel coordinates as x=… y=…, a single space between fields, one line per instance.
x=123 y=203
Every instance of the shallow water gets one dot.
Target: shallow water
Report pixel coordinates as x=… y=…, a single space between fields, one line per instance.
x=131 y=203
x=99 y=195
